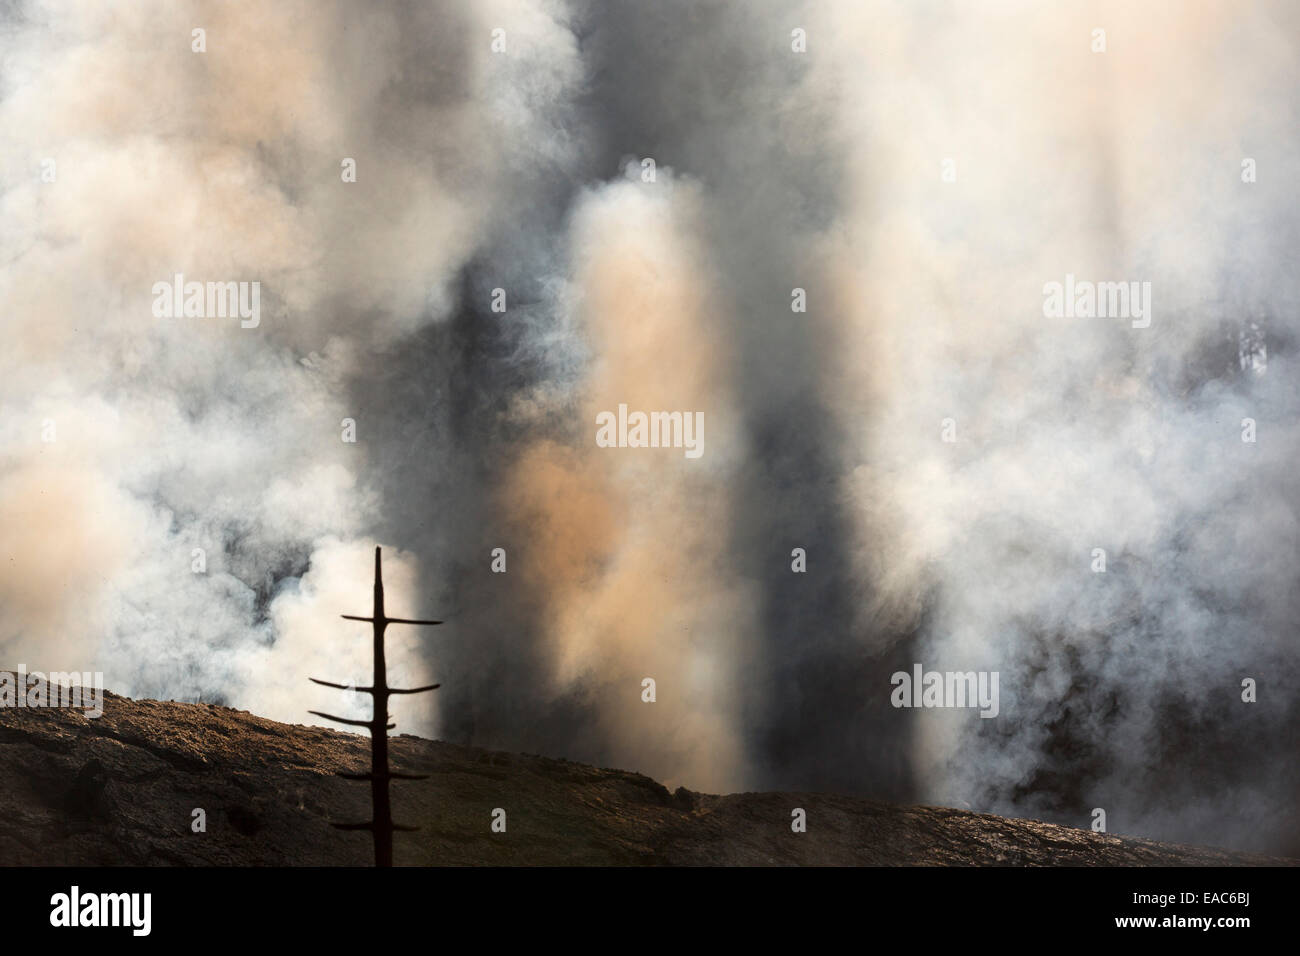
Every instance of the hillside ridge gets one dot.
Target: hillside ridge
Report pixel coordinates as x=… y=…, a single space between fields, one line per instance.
x=122 y=789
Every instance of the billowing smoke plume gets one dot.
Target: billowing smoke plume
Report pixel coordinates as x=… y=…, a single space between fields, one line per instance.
x=1120 y=690
x=503 y=270
x=178 y=496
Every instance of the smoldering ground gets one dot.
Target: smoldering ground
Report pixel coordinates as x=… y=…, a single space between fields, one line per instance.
x=521 y=171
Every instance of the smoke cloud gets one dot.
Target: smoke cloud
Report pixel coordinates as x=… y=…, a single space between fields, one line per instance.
x=179 y=508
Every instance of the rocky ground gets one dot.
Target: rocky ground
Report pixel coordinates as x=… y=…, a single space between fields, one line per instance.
x=121 y=789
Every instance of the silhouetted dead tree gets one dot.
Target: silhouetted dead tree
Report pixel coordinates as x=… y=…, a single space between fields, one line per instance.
x=381 y=825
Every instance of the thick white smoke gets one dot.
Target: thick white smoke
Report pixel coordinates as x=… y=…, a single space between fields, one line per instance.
x=1121 y=690
x=133 y=440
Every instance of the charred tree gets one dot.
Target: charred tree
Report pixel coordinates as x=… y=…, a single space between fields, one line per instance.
x=381 y=824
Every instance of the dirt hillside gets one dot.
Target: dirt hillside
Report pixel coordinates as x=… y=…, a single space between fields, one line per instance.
x=121 y=789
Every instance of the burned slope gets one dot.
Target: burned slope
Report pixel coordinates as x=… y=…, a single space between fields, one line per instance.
x=124 y=788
